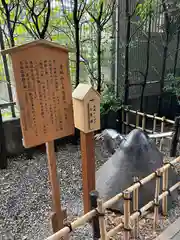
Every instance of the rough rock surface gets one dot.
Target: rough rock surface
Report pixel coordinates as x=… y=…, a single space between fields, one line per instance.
x=111 y=139
x=137 y=156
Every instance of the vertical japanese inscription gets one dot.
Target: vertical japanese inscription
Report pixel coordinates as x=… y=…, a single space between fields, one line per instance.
x=45 y=102
x=92 y=114
x=61 y=74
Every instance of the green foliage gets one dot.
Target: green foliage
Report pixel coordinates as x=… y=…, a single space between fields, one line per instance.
x=109 y=101
x=145 y=9
x=173 y=85
x=60 y=29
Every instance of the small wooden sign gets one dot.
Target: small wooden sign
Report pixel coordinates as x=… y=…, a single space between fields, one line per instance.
x=43 y=91
x=86 y=104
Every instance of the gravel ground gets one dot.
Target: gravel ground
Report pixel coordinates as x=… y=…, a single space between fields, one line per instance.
x=25 y=202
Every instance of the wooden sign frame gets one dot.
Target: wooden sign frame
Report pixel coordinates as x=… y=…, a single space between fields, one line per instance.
x=44 y=91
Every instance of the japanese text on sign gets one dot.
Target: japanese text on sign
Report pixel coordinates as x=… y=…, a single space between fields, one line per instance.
x=45 y=102
x=92 y=114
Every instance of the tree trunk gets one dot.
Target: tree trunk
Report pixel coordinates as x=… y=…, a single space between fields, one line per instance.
x=76 y=26
x=116 y=52
x=147 y=64
x=165 y=53
x=77 y=53
x=177 y=52
x=128 y=31
x=99 y=31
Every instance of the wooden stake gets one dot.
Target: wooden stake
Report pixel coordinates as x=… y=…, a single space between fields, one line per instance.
x=88 y=167
x=95 y=219
x=156 y=200
x=164 y=188
x=135 y=208
x=127 y=213
x=102 y=220
x=57 y=217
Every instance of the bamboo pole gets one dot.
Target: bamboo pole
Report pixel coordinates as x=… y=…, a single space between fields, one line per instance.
x=127 y=214
x=156 y=199
x=154 y=123
x=87 y=217
x=162 y=130
x=143 y=121
x=102 y=224
x=137 y=119
x=164 y=188
x=152 y=175
x=113 y=200
x=150 y=116
x=135 y=208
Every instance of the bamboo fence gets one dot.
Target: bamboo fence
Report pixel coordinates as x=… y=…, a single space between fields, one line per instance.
x=141 y=120
x=129 y=220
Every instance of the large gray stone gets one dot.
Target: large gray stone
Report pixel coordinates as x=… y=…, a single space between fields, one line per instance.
x=137 y=156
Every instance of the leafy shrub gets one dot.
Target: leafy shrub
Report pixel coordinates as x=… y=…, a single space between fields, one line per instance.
x=109 y=101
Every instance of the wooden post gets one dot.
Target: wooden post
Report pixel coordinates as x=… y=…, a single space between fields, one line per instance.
x=156 y=199
x=95 y=220
x=137 y=119
x=3 y=153
x=154 y=123
x=135 y=208
x=88 y=167
x=58 y=215
x=144 y=122
x=102 y=224
x=162 y=130
x=175 y=138
x=164 y=188
x=127 y=214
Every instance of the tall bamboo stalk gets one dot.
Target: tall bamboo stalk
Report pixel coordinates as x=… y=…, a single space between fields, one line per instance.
x=156 y=199
x=127 y=213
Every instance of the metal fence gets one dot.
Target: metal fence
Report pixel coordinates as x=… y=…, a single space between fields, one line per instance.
x=113 y=49
x=62 y=34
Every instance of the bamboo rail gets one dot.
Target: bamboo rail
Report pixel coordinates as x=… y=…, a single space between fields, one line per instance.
x=140 y=123
x=148 y=115
x=128 y=218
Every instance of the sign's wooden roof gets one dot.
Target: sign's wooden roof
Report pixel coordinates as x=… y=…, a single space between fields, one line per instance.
x=81 y=91
x=41 y=42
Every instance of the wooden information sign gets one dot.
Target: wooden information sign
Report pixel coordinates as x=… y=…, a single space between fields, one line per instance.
x=43 y=91
x=45 y=100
